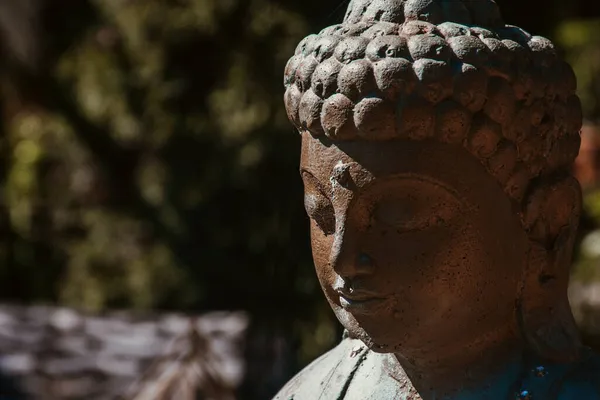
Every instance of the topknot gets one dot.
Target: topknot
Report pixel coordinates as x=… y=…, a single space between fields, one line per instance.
x=449 y=70
x=483 y=13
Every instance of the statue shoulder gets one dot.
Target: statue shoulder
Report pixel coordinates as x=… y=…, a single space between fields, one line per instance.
x=584 y=381
x=326 y=375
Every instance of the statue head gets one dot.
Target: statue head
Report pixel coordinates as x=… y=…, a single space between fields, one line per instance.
x=436 y=149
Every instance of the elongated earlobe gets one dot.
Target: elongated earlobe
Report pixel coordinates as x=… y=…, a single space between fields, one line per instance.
x=543 y=308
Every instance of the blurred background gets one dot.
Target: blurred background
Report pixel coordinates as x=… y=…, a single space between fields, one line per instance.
x=147 y=164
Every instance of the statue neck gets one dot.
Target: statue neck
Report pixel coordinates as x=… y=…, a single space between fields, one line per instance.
x=492 y=362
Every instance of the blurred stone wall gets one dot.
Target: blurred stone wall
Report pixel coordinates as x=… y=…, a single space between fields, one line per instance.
x=57 y=353
x=585 y=302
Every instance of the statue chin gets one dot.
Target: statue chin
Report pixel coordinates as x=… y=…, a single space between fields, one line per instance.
x=355 y=331
x=378 y=336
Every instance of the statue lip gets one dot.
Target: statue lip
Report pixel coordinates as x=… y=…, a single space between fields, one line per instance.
x=360 y=301
x=358 y=295
x=366 y=306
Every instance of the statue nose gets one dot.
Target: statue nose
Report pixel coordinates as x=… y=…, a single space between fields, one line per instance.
x=347 y=261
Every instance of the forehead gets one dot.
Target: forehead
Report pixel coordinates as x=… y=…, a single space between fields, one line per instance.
x=449 y=164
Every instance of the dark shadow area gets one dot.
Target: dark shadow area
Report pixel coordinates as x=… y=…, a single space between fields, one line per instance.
x=10 y=389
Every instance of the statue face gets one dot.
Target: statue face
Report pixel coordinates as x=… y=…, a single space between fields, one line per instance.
x=414 y=243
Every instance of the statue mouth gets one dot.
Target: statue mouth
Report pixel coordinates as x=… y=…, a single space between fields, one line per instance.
x=360 y=302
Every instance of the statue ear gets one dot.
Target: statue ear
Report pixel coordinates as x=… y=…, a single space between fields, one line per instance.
x=552 y=216
x=543 y=307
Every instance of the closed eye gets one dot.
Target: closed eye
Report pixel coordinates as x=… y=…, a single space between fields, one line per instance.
x=413 y=205
x=407 y=214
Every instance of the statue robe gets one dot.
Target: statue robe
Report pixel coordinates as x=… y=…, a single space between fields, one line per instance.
x=351 y=371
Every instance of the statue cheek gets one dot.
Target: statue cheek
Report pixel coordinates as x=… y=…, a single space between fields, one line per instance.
x=321 y=249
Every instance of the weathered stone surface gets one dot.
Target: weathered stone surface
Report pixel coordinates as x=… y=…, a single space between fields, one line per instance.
x=443 y=210
x=423 y=53
x=458 y=50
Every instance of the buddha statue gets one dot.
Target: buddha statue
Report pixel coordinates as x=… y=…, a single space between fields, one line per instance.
x=436 y=151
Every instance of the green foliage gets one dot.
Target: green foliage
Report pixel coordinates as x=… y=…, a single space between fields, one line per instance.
x=163 y=140
x=152 y=164
x=581 y=42
x=587 y=256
